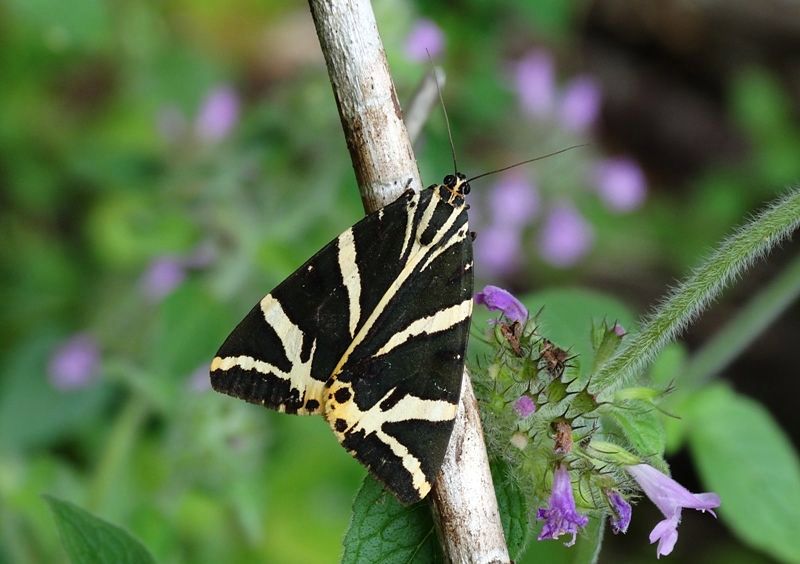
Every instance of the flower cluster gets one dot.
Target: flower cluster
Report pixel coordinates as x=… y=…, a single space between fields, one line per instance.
x=534 y=396
x=564 y=235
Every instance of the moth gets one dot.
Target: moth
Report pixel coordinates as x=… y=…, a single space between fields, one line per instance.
x=371 y=333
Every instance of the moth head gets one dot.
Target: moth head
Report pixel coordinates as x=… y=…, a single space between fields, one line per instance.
x=457 y=184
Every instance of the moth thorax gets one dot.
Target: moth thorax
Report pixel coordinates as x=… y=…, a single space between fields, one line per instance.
x=454 y=188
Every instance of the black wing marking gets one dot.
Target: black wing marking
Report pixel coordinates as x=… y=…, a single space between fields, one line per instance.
x=394 y=395
x=285 y=349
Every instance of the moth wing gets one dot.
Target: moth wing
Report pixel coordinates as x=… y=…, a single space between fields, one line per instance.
x=394 y=399
x=283 y=352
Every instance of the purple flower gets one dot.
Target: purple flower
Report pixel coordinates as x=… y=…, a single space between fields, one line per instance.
x=498 y=249
x=497 y=299
x=524 y=406
x=74 y=363
x=580 y=104
x=425 y=37
x=198 y=381
x=561 y=516
x=513 y=200
x=670 y=497
x=218 y=114
x=565 y=236
x=535 y=83
x=162 y=276
x=619 y=330
x=620 y=183
x=622 y=511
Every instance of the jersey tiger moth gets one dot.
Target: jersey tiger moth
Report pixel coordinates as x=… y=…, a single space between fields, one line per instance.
x=371 y=333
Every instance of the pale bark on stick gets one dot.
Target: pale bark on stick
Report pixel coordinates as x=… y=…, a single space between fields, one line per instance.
x=464 y=501
x=422 y=102
x=372 y=120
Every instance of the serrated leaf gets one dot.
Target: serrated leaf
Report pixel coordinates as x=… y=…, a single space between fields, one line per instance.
x=90 y=540
x=641 y=424
x=513 y=510
x=744 y=456
x=382 y=530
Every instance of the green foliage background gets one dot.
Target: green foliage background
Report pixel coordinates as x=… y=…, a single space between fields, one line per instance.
x=95 y=186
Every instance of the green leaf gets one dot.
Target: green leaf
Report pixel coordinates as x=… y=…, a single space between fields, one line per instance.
x=641 y=424
x=568 y=316
x=89 y=539
x=513 y=510
x=585 y=551
x=744 y=456
x=190 y=328
x=382 y=530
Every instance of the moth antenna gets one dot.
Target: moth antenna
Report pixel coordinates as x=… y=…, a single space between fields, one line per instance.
x=554 y=153
x=444 y=110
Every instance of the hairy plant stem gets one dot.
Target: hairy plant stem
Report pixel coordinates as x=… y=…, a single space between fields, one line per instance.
x=743 y=329
x=706 y=282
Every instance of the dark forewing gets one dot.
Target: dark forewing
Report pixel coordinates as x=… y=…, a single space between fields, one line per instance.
x=396 y=389
x=285 y=349
x=372 y=332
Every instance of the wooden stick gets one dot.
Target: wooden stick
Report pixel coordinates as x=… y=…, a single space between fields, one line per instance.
x=464 y=502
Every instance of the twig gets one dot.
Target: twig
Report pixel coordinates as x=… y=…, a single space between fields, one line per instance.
x=422 y=102
x=380 y=149
x=372 y=121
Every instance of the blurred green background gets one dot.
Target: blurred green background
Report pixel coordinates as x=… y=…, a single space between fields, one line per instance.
x=164 y=164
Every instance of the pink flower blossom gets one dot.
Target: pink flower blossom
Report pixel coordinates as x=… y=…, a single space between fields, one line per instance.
x=497 y=299
x=670 y=497
x=162 y=276
x=513 y=200
x=561 y=516
x=498 y=249
x=565 y=236
x=74 y=362
x=535 y=83
x=580 y=104
x=524 y=406
x=620 y=183
x=218 y=114
x=621 y=512
x=425 y=37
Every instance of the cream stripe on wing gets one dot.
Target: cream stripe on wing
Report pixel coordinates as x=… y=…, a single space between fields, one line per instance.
x=410 y=211
x=350 y=276
x=439 y=321
x=291 y=337
x=456 y=238
x=417 y=255
x=408 y=408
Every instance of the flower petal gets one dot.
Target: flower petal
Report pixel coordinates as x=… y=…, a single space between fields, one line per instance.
x=666 y=533
x=497 y=299
x=74 y=363
x=667 y=494
x=425 y=37
x=565 y=236
x=535 y=83
x=621 y=517
x=561 y=515
x=524 y=406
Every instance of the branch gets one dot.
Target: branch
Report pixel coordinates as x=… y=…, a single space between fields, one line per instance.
x=372 y=120
x=383 y=160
